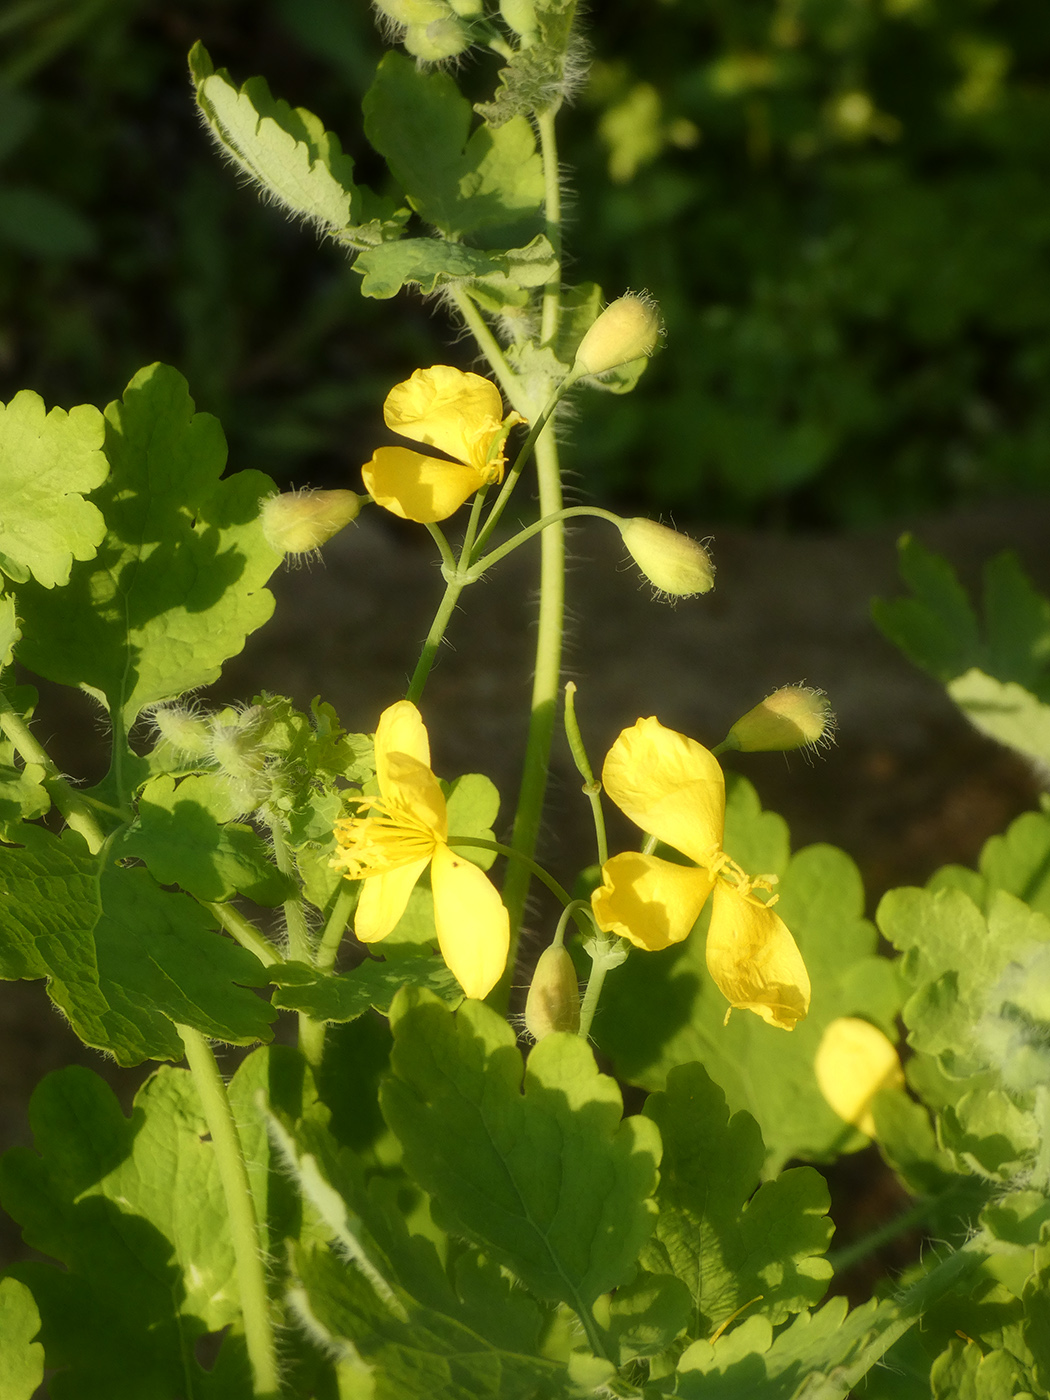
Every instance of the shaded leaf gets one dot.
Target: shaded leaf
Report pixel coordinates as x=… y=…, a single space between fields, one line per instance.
x=549 y=1180
x=21 y=1358
x=323 y=997
x=730 y=1240
x=124 y=958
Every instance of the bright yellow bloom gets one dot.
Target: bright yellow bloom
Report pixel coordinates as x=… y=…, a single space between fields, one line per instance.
x=674 y=789
x=394 y=837
x=460 y=414
x=855 y=1060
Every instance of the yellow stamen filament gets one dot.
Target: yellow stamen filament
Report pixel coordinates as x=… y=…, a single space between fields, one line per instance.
x=386 y=838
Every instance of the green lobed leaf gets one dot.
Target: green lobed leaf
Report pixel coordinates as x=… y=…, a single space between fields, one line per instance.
x=1017 y=618
x=124 y=959
x=287 y=151
x=727 y=1238
x=1005 y=711
x=937 y=628
x=427 y=263
x=133 y=1210
x=966 y=1372
x=339 y=999
x=1018 y=862
x=464 y=183
x=21 y=1358
x=663 y=1010
x=540 y=1172
x=48 y=463
x=177 y=584
x=647 y=1314
x=412 y=1352
x=187 y=836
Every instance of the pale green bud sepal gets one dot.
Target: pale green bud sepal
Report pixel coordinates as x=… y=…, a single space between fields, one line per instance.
x=438 y=40
x=554 y=997
x=794 y=717
x=628 y=329
x=673 y=563
x=298 y=522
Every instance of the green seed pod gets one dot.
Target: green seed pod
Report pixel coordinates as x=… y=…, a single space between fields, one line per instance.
x=628 y=329
x=794 y=717
x=673 y=563
x=554 y=998
x=298 y=522
x=441 y=39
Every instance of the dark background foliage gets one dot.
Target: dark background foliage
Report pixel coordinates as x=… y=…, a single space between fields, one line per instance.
x=842 y=206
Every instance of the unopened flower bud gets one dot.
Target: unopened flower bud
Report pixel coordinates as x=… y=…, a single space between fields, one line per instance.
x=298 y=522
x=554 y=998
x=420 y=12
x=671 y=562
x=854 y=1061
x=182 y=730
x=628 y=329
x=438 y=40
x=519 y=15
x=468 y=9
x=794 y=717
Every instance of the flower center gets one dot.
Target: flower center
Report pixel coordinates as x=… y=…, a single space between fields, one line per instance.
x=380 y=837
x=742 y=882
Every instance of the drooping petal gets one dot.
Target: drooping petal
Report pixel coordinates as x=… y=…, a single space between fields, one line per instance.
x=383 y=900
x=855 y=1060
x=473 y=927
x=416 y=487
x=650 y=901
x=670 y=786
x=448 y=409
x=754 y=960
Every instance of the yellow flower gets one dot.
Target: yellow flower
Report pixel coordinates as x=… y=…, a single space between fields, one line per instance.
x=673 y=788
x=460 y=414
x=392 y=839
x=855 y=1060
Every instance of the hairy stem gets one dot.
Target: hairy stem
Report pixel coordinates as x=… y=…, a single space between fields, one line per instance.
x=73 y=807
x=300 y=945
x=245 y=932
x=240 y=1210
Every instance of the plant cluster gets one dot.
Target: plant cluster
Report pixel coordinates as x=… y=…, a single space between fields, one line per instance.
x=412 y=1201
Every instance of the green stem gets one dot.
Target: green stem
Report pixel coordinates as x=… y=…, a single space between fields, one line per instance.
x=328 y=947
x=300 y=945
x=537 y=527
x=851 y=1254
x=552 y=206
x=453 y=588
x=545 y=687
x=240 y=1210
x=246 y=934
x=605 y=955
x=490 y=348
x=73 y=807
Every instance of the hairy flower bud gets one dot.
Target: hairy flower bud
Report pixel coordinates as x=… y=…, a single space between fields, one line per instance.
x=298 y=522
x=628 y=329
x=182 y=730
x=438 y=40
x=671 y=562
x=554 y=997
x=794 y=717
x=419 y=12
x=1014 y=1033
x=519 y=15
x=854 y=1061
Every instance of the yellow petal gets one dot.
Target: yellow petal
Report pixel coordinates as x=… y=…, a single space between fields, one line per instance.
x=416 y=487
x=406 y=784
x=753 y=959
x=670 y=786
x=383 y=900
x=650 y=901
x=473 y=927
x=457 y=413
x=854 y=1062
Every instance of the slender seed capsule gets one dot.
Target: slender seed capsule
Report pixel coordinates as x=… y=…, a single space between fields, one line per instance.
x=794 y=717
x=298 y=522
x=673 y=563
x=554 y=997
x=628 y=329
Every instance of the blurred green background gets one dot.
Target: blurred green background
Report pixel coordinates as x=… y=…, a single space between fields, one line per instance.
x=843 y=207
